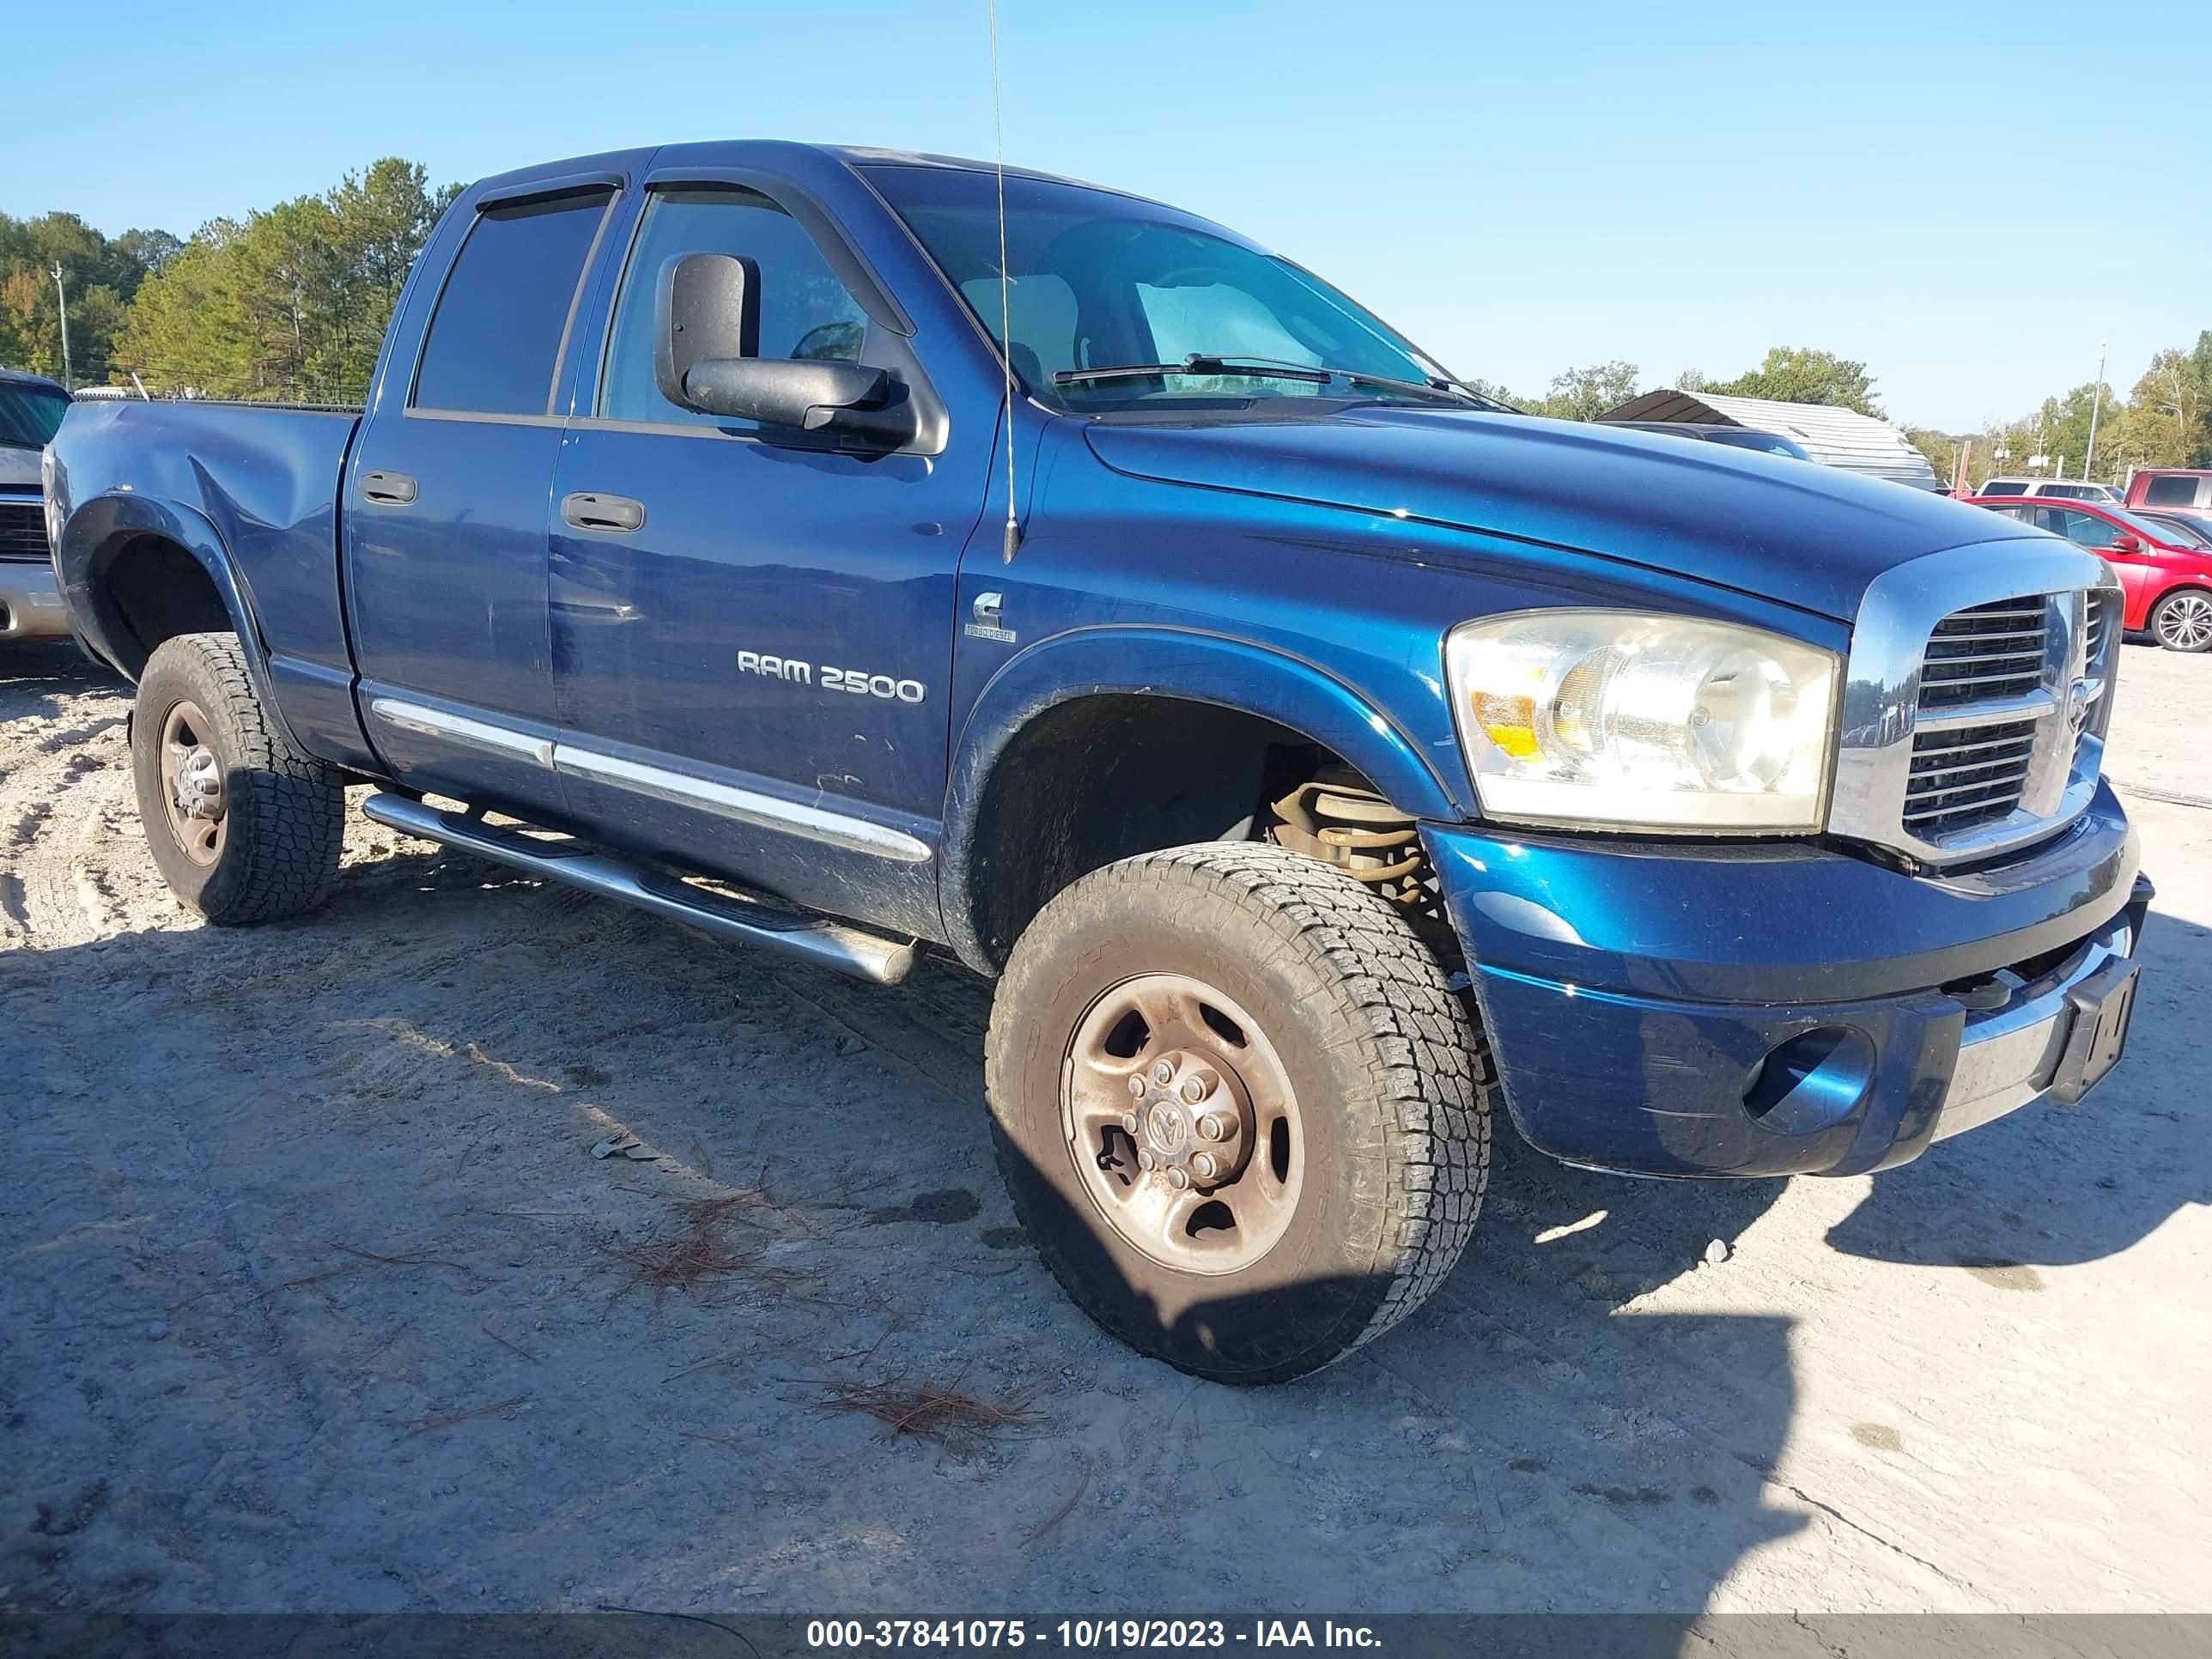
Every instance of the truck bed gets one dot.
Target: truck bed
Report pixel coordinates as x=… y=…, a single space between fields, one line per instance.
x=249 y=491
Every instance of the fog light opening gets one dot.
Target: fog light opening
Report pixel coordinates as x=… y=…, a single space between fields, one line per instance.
x=1816 y=1078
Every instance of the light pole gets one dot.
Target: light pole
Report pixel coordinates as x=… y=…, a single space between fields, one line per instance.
x=62 y=293
x=2096 y=403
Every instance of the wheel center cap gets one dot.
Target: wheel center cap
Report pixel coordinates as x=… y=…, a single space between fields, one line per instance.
x=1168 y=1128
x=197 y=785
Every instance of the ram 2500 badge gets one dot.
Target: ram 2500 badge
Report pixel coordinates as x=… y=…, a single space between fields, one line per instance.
x=1322 y=759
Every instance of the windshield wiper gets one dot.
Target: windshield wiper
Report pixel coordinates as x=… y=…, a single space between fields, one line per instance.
x=1199 y=363
x=1451 y=390
x=1274 y=368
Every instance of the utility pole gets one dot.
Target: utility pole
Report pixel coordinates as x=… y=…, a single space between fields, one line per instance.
x=2096 y=403
x=62 y=293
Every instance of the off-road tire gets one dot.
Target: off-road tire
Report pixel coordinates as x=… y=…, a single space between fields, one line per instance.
x=1393 y=1082
x=285 y=812
x=2164 y=619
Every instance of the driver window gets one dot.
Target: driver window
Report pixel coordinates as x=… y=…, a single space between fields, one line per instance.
x=805 y=311
x=2085 y=529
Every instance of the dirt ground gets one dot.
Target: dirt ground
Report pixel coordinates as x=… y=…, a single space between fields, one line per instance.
x=315 y=1297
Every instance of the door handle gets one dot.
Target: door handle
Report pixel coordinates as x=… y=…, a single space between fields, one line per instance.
x=387 y=489
x=588 y=509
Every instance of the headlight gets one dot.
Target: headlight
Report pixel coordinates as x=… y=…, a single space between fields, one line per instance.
x=1620 y=720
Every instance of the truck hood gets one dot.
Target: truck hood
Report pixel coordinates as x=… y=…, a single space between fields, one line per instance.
x=19 y=469
x=1805 y=534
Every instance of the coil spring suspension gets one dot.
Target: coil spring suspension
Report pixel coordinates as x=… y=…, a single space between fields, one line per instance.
x=1344 y=823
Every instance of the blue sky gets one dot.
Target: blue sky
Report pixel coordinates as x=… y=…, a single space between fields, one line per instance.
x=1967 y=197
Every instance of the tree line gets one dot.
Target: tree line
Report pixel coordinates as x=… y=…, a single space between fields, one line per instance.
x=2165 y=421
x=288 y=302
x=291 y=301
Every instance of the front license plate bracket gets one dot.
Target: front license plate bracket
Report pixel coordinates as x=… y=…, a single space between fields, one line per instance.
x=2103 y=1006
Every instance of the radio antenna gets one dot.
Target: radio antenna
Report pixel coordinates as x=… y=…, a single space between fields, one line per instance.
x=1013 y=536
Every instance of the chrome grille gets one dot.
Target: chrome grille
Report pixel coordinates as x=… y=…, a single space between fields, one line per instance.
x=1986 y=654
x=1968 y=775
x=1976 y=699
x=22 y=531
x=2104 y=616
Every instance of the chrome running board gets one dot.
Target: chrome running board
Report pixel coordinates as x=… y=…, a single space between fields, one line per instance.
x=748 y=922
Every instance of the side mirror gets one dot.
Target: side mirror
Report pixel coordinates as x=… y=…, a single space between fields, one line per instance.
x=2128 y=542
x=811 y=395
x=705 y=307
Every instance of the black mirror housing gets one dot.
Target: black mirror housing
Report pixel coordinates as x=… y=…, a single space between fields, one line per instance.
x=706 y=308
x=811 y=395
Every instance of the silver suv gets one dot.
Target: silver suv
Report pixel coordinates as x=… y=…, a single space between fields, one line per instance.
x=2071 y=490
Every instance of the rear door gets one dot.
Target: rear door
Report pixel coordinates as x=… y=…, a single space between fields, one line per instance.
x=446 y=510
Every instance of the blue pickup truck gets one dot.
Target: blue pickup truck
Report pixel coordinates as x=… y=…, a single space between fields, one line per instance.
x=857 y=553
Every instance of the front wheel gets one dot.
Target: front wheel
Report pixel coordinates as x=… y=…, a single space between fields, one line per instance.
x=1241 y=1115
x=242 y=825
x=2182 y=621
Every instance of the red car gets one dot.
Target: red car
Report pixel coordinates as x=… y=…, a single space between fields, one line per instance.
x=2184 y=489
x=2167 y=575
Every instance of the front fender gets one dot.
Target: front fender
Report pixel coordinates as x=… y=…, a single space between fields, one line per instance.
x=1167 y=662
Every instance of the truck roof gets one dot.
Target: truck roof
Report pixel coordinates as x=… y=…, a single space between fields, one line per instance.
x=764 y=152
x=24 y=377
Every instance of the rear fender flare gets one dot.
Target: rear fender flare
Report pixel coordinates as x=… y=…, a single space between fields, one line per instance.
x=1164 y=662
x=102 y=527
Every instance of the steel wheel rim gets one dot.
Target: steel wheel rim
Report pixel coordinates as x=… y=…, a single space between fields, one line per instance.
x=2187 y=621
x=192 y=787
x=1205 y=1185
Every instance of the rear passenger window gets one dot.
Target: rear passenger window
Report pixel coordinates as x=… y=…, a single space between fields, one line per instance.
x=1993 y=487
x=805 y=311
x=495 y=338
x=2170 y=492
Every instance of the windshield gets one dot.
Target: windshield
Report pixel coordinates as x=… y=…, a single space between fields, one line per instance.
x=30 y=416
x=1103 y=281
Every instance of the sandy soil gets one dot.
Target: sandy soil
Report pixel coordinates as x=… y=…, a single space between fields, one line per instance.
x=314 y=1297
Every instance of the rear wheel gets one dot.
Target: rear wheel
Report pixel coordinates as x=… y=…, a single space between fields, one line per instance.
x=2182 y=621
x=242 y=825
x=1241 y=1113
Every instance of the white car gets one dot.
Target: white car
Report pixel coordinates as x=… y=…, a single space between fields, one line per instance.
x=2072 y=489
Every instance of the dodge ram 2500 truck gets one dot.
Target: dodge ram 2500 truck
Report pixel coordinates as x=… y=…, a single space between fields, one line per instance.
x=1318 y=755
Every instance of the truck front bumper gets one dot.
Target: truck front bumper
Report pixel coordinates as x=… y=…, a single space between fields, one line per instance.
x=1782 y=1009
x=30 y=602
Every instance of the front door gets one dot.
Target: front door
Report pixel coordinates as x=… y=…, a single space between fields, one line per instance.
x=751 y=628
x=2102 y=536
x=445 y=512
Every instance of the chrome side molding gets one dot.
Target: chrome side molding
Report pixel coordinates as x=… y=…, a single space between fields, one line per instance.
x=459 y=728
x=743 y=806
x=748 y=922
